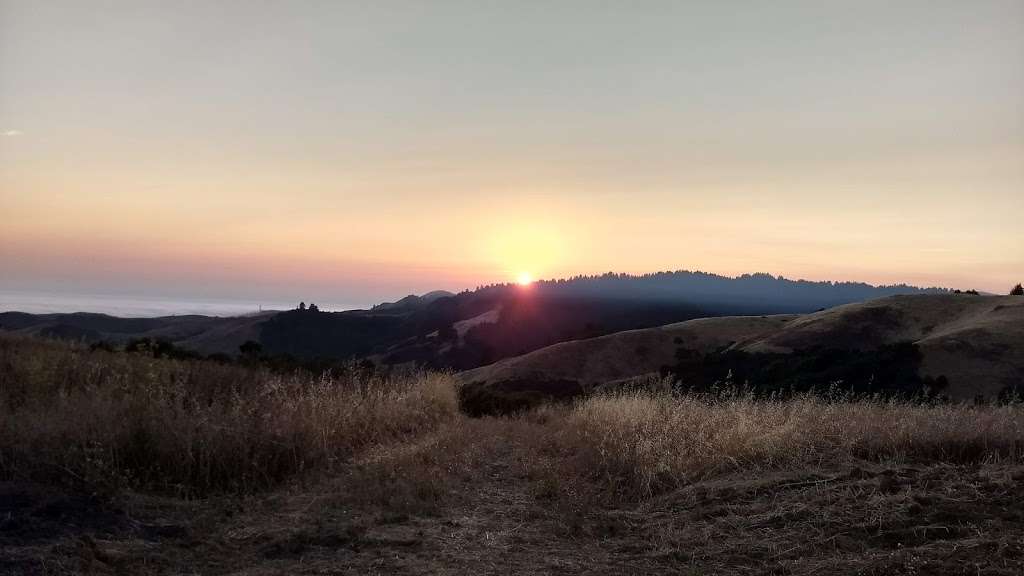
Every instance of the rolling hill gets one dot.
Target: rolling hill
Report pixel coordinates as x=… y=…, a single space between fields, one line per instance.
x=461 y=331
x=481 y=326
x=973 y=343
x=204 y=334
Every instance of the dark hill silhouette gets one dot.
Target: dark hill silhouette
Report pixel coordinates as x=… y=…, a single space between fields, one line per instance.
x=474 y=327
x=205 y=334
x=477 y=327
x=412 y=301
x=749 y=292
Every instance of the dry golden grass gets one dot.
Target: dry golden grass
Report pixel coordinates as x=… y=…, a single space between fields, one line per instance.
x=126 y=420
x=123 y=420
x=643 y=442
x=395 y=480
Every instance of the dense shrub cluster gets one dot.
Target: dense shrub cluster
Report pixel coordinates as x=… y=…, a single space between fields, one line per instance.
x=890 y=370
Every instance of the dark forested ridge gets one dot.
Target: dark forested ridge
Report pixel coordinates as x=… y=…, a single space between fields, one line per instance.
x=477 y=327
x=755 y=293
x=474 y=327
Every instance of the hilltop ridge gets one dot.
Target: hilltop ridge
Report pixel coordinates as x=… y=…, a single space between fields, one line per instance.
x=975 y=343
x=473 y=328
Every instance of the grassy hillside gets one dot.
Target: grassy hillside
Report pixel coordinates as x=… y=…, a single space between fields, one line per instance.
x=969 y=344
x=478 y=327
x=440 y=330
x=120 y=463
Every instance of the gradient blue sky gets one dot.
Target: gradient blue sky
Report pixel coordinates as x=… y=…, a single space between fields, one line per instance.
x=358 y=151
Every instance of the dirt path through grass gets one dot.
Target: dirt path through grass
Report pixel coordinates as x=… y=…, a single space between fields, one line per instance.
x=933 y=520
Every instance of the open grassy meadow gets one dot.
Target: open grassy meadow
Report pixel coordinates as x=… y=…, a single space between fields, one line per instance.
x=118 y=463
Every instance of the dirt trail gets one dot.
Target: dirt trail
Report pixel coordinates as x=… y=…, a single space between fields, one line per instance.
x=939 y=519
x=494 y=518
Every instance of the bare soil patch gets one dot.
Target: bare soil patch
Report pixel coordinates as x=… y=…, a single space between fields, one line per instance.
x=488 y=514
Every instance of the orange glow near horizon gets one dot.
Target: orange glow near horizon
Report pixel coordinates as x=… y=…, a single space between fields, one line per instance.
x=526 y=238
x=339 y=160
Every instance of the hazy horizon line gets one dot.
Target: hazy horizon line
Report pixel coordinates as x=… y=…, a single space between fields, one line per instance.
x=150 y=305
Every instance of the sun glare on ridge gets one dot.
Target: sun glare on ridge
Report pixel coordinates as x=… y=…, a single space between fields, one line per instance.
x=524 y=279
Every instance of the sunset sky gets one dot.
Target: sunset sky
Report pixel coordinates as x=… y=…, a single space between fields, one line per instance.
x=354 y=152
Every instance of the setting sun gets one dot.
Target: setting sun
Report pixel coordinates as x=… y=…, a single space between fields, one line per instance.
x=524 y=279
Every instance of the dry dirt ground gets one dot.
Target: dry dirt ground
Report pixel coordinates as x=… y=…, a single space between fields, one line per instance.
x=484 y=512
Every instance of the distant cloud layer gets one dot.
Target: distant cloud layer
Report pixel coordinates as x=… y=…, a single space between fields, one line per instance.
x=13 y=132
